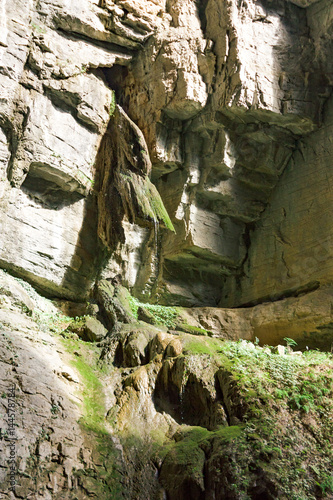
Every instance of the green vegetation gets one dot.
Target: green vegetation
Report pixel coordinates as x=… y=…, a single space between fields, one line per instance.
x=279 y=411
x=84 y=178
x=210 y=346
x=193 y=330
x=112 y=104
x=286 y=405
x=38 y=29
x=290 y=342
x=164 y=315
x=157 y=207
x=105 y=480
x=86 y=362
x=185 y=459
x=147 y=198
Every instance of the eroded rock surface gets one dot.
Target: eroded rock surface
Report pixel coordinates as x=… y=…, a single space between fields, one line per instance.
x=213 y=101
x=181 y=150
x=44 y=409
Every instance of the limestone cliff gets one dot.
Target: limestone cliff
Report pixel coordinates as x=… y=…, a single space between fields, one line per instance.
x=178 y=151
x=223 y=99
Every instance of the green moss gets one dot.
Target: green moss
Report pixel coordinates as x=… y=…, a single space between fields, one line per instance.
x=105 y=481
x=38 y=29
x=123 y=296
x=185 y=459
x=157 y=206
x=113 y=103
x=86 y=363
x=147 y=198
x=194 y=330
x=277 y=396
x=195 y=435
x=227 y=434
x=211 y=346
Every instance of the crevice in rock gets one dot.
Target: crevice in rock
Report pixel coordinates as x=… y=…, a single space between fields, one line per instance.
x=48 y=193
x=121 y=50
x=115 y=77
x=247 y=242
x=201 y=6
x=16 y=132
x=294 y=292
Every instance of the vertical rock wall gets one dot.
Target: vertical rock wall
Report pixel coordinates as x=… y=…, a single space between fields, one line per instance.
x=291 y=248
x=219 y=96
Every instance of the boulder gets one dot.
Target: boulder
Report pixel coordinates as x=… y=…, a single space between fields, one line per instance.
x=94 y=331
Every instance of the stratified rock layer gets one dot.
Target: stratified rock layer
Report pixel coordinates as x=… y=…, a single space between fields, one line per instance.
x=214 y=101
x=291 y=247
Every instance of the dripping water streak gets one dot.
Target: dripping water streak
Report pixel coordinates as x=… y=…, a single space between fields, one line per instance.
x=156 y=229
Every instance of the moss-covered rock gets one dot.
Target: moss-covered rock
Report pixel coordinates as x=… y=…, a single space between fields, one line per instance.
x=94 y=330
x=147 y=316
x=194 y=330
x=113 y=302
x=142 y=200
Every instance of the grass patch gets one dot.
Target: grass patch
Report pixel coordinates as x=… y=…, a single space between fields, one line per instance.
x=286 y=403
x=86 y=361
x=164 y=315
x=210 y=346
x=193 y=330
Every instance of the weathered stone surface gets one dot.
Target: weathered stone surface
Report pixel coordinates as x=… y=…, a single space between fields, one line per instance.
x=231 y=159
x=160 y=343
x=174 y=348
x=113 y=304
x=226 y=105
x=55 y=148
x=214 y=115
x=146 y=316
x=45 y=413
x=291 y=248
x=185 y=388
x=94 y=330
x=135 y=347
x=307 y=319
x=18 y=295
x=53 y=248
x=177 y=417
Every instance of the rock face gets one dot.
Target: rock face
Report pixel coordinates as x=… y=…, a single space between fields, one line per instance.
x=166 y=153
x=220 y=104
x=291 y=248
x=150 y=413
x=43 y=409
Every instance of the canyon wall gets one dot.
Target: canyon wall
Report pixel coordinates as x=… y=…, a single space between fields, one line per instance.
x=162 y=153
x=291 y=247
x=221 y=105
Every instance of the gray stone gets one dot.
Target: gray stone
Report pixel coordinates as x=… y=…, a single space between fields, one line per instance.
x=135 y=348
x=279 y=349
x=94 y=330
x=215 y=119
x=16 y=293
